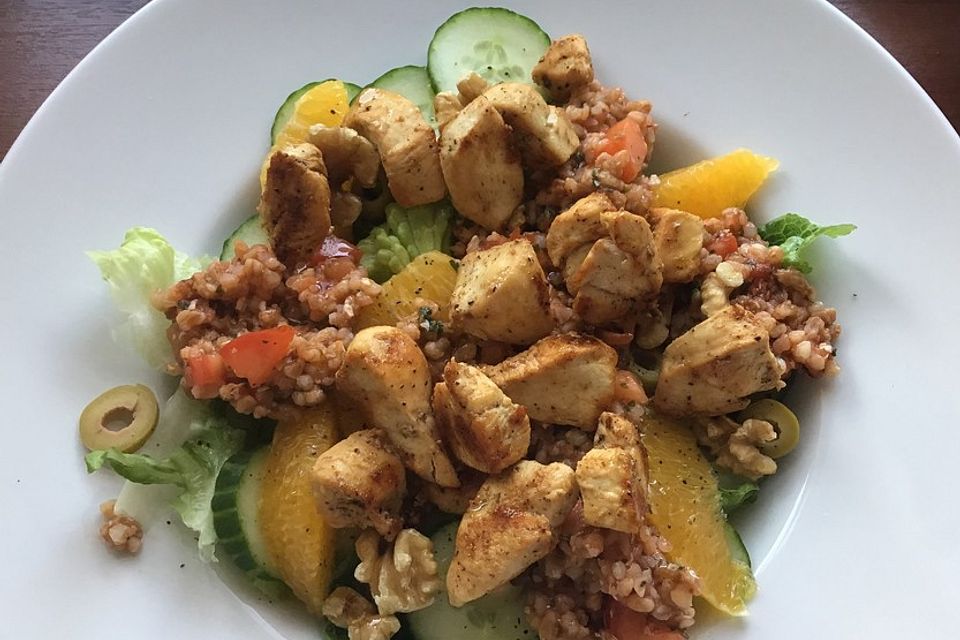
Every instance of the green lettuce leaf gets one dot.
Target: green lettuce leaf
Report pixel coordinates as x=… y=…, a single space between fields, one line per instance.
x=407 y=233
x=191 y=469
x=144 y=263
x=735 y=491
x=793 y=233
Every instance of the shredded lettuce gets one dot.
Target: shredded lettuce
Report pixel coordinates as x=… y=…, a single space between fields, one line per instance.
x=405 y=235
x=191 y=468
x=793 y=233
x=144 y=263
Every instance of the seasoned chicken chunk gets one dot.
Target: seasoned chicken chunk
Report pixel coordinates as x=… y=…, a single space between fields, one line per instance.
x=713 y=367
x=480 y=166
x=613 y=476
x=295 y=202
x=510 y=524
x=565 y=66
x=446 y=106
x=608 y=259
x=481 y=425
x=360 y=482
x=678 y=236
x=563 y=379
x=387 y=375
x=407 y=145
x=502 y=294
x=544 y=134
x=609 y=488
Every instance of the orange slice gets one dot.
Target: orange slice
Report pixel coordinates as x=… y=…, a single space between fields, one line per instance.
x=708 y=187
x=429 y=276
x=298 y=540
x=685 y=507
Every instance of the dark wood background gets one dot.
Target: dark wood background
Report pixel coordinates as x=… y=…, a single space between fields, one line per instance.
x=41 y=40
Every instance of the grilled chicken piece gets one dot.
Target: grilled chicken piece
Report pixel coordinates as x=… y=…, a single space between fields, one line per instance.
x=360 y=482
x=609 y=489
x=480 y=167
x=608 y=259
x=458 y=499
x=387 y=376
x=544 y=134
x=446 y=106
x=565 y=67
x=481 y=425
x=563 y=379
x=295 y=202
x=613 y=476
x=678 y=236
x=510 y=524
x=712 y=368
x=406 y=143
x=502 y=294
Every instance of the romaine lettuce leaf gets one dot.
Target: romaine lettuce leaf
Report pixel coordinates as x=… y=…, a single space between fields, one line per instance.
x=191 y=468
x=793 y=233
x=144 y=263
x=406 y=234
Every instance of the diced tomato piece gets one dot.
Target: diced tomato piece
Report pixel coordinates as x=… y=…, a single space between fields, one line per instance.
x=205 y=375
x=626 y=135
x=626 y=624
x=724 y=244
x=254 y=355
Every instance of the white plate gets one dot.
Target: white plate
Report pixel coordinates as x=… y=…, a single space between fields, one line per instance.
x=165 y=124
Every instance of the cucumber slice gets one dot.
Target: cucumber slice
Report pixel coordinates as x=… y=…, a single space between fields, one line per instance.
x=498 y=44
x=235 y=507
x=738 y=550
x=286 y=109
x=498 y=616
x=412 y=83
x=250 y=231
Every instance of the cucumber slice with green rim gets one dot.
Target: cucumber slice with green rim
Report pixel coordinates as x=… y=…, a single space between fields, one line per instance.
x=497 y=616
x=286 y=109
x=498 y=44
x=738 y=550
x=235 y=507
x=413 y=83
x=250 y=231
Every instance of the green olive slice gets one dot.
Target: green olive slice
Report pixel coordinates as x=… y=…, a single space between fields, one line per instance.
x=119 y=418
x=784 y=422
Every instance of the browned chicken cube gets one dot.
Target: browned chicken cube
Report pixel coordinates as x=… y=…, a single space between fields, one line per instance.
x=563 y=379
x=678 y=236
x=610 y=489
x=406 y=142
x=502 y=294
x=713 y=367
x=360 y=482
x=565 y=67
x=480 y=165
x=388 y=377
x=295 y=202
x=543 y=133
x=511 y=523
x=482 y=426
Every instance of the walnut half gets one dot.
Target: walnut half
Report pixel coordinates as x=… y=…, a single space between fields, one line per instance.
x=351 y=611
x=402 y=579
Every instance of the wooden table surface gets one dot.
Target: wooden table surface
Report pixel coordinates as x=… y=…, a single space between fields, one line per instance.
x=41 y=40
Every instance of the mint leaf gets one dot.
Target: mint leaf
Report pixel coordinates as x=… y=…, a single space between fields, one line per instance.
x=735 y=491
x=793 y=233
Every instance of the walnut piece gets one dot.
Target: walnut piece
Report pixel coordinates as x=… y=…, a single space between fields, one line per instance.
x=737 y=446
x=402 y=579
x=351 y=611
x=121 y=533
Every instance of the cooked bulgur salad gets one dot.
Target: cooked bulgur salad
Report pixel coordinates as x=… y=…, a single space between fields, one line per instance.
x=471 y=371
